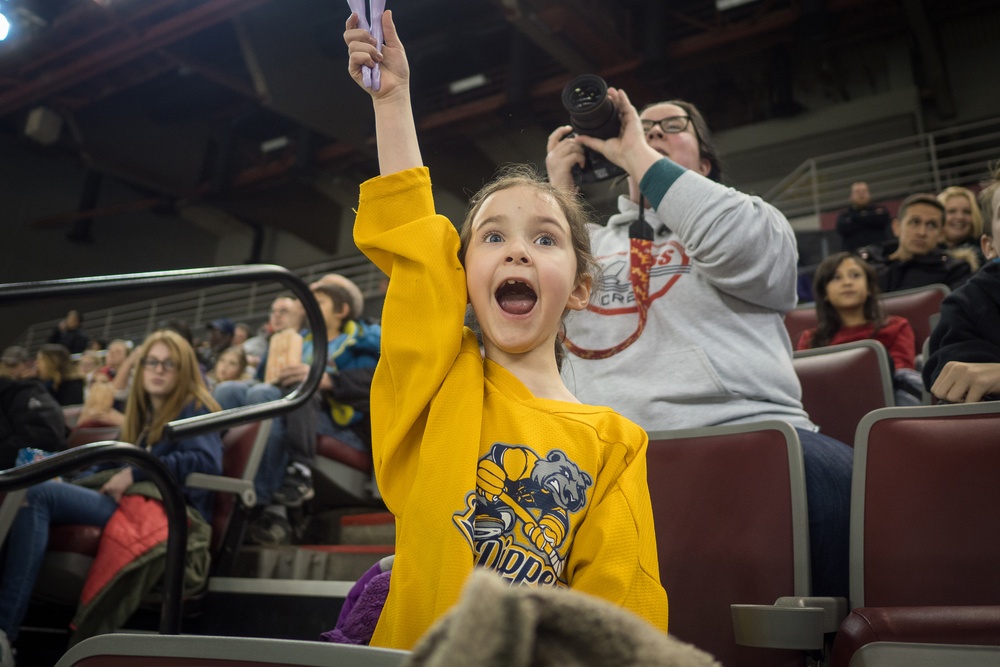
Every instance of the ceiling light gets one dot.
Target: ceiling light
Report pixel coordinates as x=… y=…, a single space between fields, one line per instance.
x=468 y=83
x=274 y=144
x=723 y=5
x=4 y=27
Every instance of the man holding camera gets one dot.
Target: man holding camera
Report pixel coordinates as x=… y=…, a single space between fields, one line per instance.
x=685 y=328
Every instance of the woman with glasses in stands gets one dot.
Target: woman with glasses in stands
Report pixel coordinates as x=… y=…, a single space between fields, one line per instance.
x=848 y=310
x=685 y=328
x=167 y=386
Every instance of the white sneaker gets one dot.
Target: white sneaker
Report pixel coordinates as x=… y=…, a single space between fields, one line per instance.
x=6 y=654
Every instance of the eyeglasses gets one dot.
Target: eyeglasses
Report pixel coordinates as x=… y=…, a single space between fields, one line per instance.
x=670 y=124
x=152 y=362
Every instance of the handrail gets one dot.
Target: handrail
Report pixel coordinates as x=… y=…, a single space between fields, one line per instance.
x=173 y=503
x=15 y=292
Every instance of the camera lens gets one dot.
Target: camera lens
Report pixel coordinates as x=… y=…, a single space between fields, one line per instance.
x=590 y=110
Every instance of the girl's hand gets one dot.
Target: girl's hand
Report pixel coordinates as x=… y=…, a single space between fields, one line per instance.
x=629 y=149
x=118 y=484
x=364 y=52
x=563 y=153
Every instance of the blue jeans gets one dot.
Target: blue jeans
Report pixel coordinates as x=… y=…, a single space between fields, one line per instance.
x=325 y=426
x=271 y=471
x=828 y=467
x=45 y=504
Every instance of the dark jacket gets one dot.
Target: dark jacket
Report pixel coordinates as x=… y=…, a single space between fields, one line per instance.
x=70 y=392
x=29 y=417
x=74 y=340
x=859 y=227
x=969 y=328
x=934 y=267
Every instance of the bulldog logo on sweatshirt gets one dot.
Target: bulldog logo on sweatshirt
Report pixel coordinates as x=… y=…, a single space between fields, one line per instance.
x=518 y=517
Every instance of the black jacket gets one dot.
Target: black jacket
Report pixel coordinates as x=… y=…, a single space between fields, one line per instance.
x=859 y=227
x=936 y=266
x=29 y=417
x=969 y=329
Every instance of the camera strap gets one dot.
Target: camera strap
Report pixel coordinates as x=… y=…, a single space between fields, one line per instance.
x=640 y=263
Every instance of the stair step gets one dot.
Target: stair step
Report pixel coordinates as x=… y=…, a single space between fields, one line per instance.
x=320 y=562
x=368 y=529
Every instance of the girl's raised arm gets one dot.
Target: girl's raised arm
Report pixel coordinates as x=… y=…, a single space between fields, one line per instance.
x=395 y=131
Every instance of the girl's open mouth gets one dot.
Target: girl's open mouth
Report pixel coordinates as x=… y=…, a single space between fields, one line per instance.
x=516 y=297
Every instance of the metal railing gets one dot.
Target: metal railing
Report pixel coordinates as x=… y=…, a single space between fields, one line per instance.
x=244 y=302
x=927 y=162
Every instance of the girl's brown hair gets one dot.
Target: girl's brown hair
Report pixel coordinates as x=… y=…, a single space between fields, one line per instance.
x=139 y=417
x=829 y=322
x=578 y=215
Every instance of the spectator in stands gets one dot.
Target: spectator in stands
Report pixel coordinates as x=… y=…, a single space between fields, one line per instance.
x=290 y=433
x=489 y=461
x=168 y=387
x=99 y=407
x=963 y=365
x=56 y=370
x=220 y=337
x=685 y=328
x=963 y=226
x=914 y=259
x=88 y=365
x=118 y=350
x=232 y=365
x=863 y=223
x=848 y=310
x=17 y=364
x=69 y=333
x=241 y=332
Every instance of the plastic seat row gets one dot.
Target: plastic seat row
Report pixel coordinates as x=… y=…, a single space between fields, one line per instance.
x=729 y=505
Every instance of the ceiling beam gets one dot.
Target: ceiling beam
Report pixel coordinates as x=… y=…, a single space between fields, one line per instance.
x=115 y=55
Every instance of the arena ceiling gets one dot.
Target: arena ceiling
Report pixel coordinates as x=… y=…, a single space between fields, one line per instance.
x=245 y=105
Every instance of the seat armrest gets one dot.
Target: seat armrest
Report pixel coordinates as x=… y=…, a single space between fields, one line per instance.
x=790 y=623
x=241 y=488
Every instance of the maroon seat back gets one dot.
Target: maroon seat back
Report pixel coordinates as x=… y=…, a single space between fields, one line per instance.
x=925 y=507
x=843 y=383
x=730 y=513
x=798 y=320
x=916 y=305
x=89 y=432
x=237 y=448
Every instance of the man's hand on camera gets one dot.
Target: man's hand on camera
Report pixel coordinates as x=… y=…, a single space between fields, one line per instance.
x=563 y=153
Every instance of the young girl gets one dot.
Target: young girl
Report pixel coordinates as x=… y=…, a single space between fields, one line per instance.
x=231 y=365
x=168 y=386
x=491 y=461
x=848 y=309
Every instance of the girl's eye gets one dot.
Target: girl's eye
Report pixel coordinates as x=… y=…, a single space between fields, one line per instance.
x=545 y=240
x=492 y=237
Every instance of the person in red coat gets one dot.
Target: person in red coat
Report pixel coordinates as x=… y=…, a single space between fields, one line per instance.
x=848 y=310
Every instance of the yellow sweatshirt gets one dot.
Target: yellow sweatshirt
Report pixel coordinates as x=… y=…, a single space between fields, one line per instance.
x=476 y=469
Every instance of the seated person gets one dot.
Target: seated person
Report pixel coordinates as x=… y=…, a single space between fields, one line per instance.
x=964 y=361
x=118 y=350
x=848 y=309
x=99 y=407
x=914 y=259
x=168 y=387
x=58 y=372
x=232 y=365
x=963 y=226
x=17 y=364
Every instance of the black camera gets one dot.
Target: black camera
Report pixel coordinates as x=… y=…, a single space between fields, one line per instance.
x=593 y=114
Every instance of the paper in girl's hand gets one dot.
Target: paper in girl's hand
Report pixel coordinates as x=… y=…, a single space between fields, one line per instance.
x=370 y=75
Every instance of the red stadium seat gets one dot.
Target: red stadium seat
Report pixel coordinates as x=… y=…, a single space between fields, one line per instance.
x=118 y=650
x=843 y=383
x=729 y=503
x=925 y=507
